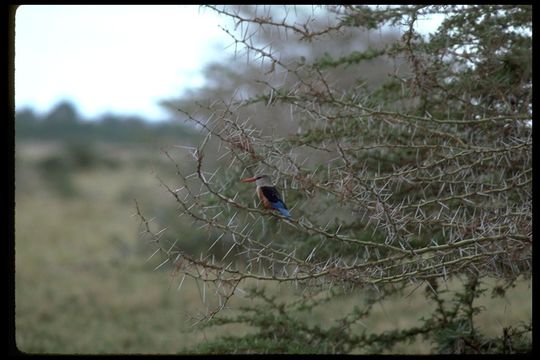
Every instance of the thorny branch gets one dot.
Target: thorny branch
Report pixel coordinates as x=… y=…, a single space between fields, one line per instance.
x=426 y=198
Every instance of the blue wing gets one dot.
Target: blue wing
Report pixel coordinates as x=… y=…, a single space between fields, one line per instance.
x=280 y=206
x=273 y=197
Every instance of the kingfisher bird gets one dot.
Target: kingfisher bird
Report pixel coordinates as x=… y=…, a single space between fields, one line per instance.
x=268 y=194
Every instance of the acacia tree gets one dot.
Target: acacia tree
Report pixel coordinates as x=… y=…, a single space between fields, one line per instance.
x=416 y=179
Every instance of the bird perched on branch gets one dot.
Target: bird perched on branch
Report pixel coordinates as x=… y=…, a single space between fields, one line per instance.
x=268 y=194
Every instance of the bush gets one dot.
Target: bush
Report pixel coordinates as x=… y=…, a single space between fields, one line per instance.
x=418 y=176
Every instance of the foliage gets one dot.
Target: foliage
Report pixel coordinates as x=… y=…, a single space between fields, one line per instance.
x=453 y=327
x=57 y=168
x=418 y=175
x=281 y=327
x=79 y=268
x=64 y=124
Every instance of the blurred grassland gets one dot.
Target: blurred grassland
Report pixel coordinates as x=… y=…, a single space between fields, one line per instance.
x=83 y=283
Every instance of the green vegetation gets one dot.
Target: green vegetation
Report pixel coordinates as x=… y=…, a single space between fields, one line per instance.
x=64 y=124
x=84 y=285
x=406 y=159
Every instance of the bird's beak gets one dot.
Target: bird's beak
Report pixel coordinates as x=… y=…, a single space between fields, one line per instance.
x=252 y=179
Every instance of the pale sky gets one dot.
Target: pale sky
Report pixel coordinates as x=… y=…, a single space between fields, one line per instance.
x=118 y=59
x=121 y=59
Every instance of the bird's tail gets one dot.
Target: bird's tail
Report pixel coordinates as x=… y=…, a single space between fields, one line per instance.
x=284 y=212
